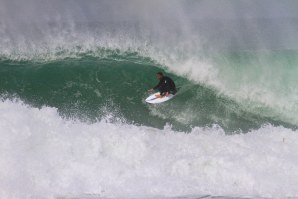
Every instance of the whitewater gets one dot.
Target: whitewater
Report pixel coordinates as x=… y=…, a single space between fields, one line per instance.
x=44 y=155
x=74 y=76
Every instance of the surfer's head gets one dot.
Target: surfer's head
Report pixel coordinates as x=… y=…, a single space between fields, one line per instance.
x=159 y=75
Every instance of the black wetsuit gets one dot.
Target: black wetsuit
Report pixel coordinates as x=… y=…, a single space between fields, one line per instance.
x=166 y=84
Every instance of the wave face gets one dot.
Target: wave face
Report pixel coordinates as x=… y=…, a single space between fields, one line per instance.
x=74 y=76
x=89 y=88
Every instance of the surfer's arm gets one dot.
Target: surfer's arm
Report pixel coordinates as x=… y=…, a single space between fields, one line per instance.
x=157 y=86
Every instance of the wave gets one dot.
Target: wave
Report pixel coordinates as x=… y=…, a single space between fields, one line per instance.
x=237 y=68
x=88 y=87
x=44 y=155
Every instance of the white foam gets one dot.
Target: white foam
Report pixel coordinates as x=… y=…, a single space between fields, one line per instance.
x=43 y=155
x=263 y=87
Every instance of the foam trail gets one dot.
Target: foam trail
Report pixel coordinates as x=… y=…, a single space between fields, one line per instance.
x=43 y=155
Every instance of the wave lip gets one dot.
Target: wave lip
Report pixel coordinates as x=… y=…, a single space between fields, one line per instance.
x=45 y=155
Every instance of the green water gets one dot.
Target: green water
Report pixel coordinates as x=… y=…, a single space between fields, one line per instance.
x=92 y=88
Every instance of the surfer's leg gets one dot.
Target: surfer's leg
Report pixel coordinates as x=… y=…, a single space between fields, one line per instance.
x=158 y=96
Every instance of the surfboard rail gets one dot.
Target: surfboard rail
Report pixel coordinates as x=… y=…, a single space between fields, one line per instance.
x=153 y=99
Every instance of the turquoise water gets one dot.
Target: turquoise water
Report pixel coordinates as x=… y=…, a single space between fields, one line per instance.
x=90 y=88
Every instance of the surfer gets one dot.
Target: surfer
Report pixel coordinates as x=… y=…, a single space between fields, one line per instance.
x=166 y=86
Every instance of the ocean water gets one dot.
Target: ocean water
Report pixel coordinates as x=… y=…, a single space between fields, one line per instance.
x=74 y=76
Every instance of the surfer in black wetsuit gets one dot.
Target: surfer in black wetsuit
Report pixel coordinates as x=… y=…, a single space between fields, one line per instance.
x=166 y=85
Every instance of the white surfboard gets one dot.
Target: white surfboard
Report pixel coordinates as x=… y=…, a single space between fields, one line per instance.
x=152 y=99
